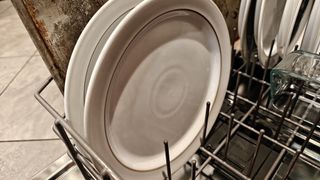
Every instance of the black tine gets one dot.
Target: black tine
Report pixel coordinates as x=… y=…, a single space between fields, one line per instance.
x=256 y=151
x=70 y=148
x=292 y=163
x=166 y=149
x=193 y=170
x=284 y=115
x=236 y=92
x=206 y=123
x=268 y=61
x=296 y=98
x=228 y=135
x=314 y=126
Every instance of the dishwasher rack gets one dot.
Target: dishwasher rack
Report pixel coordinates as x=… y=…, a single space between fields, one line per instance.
x=273 y=142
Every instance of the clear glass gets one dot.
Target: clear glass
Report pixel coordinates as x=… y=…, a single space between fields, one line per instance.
x=299 y=73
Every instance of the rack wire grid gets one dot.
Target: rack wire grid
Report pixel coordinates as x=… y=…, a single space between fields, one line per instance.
x=250 y=139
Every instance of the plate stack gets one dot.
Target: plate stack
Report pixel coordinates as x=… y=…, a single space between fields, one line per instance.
x=290 y=24
x=141 y=73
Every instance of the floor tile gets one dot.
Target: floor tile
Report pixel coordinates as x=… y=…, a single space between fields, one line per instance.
x=24 y=159
x=21 y=116
x=14 y=39
x=9 y=67
x=4 y=5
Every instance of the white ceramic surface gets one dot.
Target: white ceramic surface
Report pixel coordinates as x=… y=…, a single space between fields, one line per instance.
x=242 y=10
x=256 y=19
x=151 y=82
x=85 y=54
x=287 y=38
x=289 y=16
x=242 y=26
x=268 y=27
x=311 y=39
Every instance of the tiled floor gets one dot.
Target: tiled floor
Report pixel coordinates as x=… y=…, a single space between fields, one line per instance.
x=27 y=143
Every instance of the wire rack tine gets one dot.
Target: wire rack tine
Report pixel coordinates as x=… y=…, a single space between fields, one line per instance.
x=167 y=156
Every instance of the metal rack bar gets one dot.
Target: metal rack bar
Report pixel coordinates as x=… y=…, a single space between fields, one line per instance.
x=72 y=151
x=224 y=163
x=62 y=127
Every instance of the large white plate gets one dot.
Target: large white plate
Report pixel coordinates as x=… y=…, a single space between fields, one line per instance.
x=85 y=54
x=268 y=27
x=244 y=7
x=311 y=39
x=242 y=26
x=287 y=38
x=151 y=82
x=288 y=19
x=256 y=19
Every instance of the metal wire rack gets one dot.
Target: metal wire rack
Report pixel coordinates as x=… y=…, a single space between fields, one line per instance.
x=250 y=140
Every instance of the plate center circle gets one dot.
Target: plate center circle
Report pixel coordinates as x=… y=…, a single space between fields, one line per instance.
x=168 y=93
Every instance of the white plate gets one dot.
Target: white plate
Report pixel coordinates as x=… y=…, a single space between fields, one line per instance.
x=311 y=39
x=256 y=19
x=151 y=82
x=242 y=26
x=268 y=27
x=244 y=7
x=288 y=20
x=287 y=39
x=85 y=54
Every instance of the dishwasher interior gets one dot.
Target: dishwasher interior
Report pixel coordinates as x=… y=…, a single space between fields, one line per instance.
x=250 y=139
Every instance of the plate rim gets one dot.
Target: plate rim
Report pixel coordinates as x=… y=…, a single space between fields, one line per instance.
x=287 y=20
x=309 y=41
x=81 y=58
x=263 y=56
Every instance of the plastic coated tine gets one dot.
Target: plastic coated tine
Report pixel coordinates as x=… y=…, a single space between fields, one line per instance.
x=268 y=61
x=292 y=163
x=296 y=98
x=206 y=123
x=261 y=133
x=236 y=92
x=258 y=103
x=193 y=170
x=71 y=149
x=284 y=115
x=228 y=135
x=314 y=126
x=166 y=149
x=253 y=67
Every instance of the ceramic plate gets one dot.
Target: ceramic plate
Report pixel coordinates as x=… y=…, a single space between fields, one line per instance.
x=246 y=38
x=289 y=16
x=268 y=27
x=161 y=65
x=293 y=22
x=244 y=5
x=256 y=19
x=311 y=39
x=85 y=54
x=242 y=26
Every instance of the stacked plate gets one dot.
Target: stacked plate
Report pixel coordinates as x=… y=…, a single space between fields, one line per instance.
x=141 y=73
x=290 y=23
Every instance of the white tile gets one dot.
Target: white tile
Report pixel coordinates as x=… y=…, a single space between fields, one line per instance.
x=4 y=5
x=14 y=39
x=9 y=67
x=24 y=159
x=21 y=116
